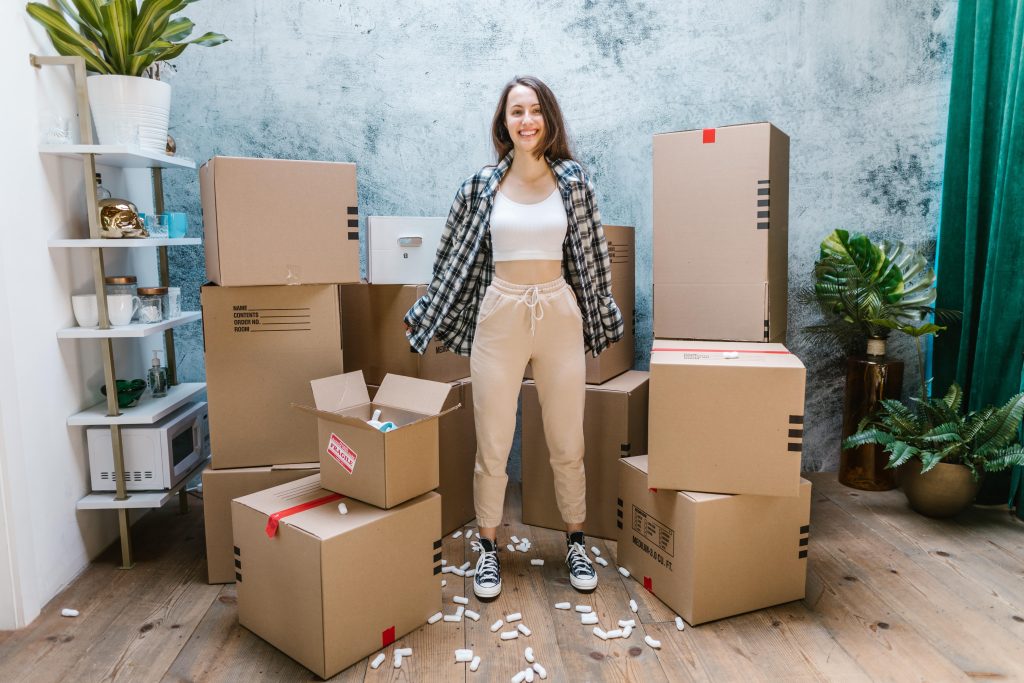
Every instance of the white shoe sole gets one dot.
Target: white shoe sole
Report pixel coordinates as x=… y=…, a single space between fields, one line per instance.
x=493 y=591
x=583 y=584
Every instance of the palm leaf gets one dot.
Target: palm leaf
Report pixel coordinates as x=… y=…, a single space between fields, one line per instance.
x=117 y=26
x=1001 y=429
x=65 y=39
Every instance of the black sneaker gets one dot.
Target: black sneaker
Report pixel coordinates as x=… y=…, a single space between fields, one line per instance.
x=581 y=571
x=487 y=579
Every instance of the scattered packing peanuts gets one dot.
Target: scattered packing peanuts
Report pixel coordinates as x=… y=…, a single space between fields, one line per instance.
x=584 y=608
x=471 y=572
x=342 y=508
x=444 y=562
x=463 y=655
x=475 y=664
x=404 y=651
x=434 y=618
x=472 y=615
x=652 y=642
x=599 y=632
x=614 y=633
x=453 y=617
x=515 y=540
x=624 y=572
x=444 y=582
x=524 y=629
x=519 y=677
x=509 y=635
x=523 y=547
x=511 y=548
x=632 y=606
x=457 y=534
x=529 y=655
x=464 y=566
x=601 y=561
x=627 y=631
x=588 y=619
x=562 y=605
x=459 y=611
x=458 y=572
x=541 y=671
x=460 y=600
x=515 y=616
x=623 y=623
x=537 y=563
x=679 y=623
x=68 y=612
x=496 y=625
x=445 y=569
x=594 y=549
x=529 y=675
x=377 y=661
x=398 y=661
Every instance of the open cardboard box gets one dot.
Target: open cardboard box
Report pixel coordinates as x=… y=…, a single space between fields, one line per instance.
x=357 y=460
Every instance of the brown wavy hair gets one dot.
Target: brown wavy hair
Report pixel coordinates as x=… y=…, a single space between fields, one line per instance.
x=556 y=139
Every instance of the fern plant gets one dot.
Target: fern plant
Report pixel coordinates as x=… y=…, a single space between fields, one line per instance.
x=119 y=37
x=937 y=430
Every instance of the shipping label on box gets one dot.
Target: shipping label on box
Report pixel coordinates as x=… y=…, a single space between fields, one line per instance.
x=358 y=460
x=725 y=417
x=709 y=556
x=614 y=426
x=310 y=581
x=263 y=346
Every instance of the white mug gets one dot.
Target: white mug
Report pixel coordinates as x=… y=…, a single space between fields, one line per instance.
x=121 y=308
x=86 y=312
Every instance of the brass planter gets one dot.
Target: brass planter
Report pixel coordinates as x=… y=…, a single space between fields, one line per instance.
x=868 y=380
x=942 y=491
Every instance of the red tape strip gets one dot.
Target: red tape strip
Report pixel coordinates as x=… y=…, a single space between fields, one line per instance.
x=649 y=585
x=273 y=519
x=779 y=353
x=387 y=636
x=709 y=135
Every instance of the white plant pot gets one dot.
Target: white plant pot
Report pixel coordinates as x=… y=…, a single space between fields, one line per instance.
x=130 y=110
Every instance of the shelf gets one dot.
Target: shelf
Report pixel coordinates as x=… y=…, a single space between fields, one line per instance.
x=147 y=411
x=133 y=330
x=125 y=243
x=137 y=499
x=123 y=156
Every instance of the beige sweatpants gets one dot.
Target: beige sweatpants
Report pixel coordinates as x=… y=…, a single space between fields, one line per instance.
x=518 y=324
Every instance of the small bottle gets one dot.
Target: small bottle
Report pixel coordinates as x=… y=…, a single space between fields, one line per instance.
x=101 y=192
x=157 y=377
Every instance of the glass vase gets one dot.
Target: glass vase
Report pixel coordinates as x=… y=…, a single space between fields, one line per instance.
x=869 y=379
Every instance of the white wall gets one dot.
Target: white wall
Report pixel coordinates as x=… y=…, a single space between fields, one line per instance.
x=44 y=542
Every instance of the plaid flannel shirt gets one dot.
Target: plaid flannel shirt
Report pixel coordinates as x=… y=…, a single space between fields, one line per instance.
x=464 y=264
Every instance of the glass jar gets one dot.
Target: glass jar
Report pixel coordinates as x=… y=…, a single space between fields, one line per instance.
x=120 y=284
x=152 y=303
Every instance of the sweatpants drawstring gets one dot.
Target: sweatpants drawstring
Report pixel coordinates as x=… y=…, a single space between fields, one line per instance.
x=531 y=299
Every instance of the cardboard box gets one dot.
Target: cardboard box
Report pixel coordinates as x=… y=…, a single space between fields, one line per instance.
x=380 y=468
x=456 y=456
x=220 y=487
x=375 y=339
x=400 y=249
x=279 y=222
x=614 y=426
x=618 y=357
x=709 y=556
x=263 y=346
x=329 y=589
x=726 y=417
x=721 y=206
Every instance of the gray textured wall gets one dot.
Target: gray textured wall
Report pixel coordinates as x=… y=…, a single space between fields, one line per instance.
x=406 y=90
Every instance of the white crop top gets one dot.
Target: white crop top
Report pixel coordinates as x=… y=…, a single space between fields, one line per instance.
x=528 y=232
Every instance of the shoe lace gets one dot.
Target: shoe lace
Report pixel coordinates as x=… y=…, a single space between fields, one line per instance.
x=487 y=567
x=579 y=563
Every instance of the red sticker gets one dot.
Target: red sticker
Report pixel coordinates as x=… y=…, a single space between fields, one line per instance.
x=387 y=636
x=342 y=454
x=709 y=135
x=653 y=490
x=649 y=585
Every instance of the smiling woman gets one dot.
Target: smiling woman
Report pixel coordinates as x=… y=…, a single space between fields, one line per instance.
x=498 y=295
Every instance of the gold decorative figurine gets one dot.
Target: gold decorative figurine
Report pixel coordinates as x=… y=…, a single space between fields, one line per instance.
x=119 y=218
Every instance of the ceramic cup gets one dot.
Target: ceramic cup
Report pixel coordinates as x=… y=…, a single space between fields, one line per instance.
x=121 y=308
x=86 y=312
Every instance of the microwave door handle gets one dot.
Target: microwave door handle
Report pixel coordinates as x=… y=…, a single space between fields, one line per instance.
x=407 y=241
x=196 y=444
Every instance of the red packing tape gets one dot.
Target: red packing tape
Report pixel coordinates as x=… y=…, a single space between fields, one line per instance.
x=273 y=519
x=387 y=636
x=649 y=585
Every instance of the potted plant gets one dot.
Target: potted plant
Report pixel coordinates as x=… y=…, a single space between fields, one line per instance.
x=865 y=291
x=122 y=42
x=944 y=449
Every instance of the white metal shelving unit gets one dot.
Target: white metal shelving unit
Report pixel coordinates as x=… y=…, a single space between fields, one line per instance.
x=148 y=410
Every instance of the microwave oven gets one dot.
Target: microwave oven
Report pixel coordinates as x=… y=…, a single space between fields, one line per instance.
x=156 y=456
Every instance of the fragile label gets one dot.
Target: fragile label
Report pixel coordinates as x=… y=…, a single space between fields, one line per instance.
x=342 y=454
x=658 y=534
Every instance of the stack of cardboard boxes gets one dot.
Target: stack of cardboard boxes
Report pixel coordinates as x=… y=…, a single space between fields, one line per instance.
x=282 y=245
x=615 y=415
x=715 y=519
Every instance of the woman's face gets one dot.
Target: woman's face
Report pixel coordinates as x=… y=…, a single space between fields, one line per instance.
x=524 y=119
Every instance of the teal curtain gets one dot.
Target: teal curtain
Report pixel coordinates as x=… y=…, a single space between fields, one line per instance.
x=981 y=231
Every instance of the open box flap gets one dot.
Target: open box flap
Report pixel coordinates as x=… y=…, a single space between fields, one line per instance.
x=340 y=391
x=334 y=417
x=412 y=394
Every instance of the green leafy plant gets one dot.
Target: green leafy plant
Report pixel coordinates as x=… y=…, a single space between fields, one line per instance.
x=937 y=430
x=867 y=290
x=120 y=36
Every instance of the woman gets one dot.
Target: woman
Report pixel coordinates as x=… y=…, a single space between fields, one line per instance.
x=522 y=275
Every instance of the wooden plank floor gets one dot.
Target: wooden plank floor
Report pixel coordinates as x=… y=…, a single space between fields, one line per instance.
x=891 y=596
